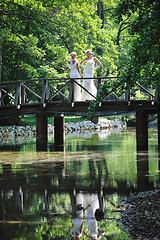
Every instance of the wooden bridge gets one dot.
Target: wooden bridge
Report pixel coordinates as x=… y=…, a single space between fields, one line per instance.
x=54 y=97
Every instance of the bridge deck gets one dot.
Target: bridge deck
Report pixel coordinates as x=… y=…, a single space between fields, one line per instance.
x=78 y=107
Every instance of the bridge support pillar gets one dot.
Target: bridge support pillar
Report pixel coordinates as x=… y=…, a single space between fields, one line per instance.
x=158 y=126
x=142 y=130
x=59 y=133
x=41 y=131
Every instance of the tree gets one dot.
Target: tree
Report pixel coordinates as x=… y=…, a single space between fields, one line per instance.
x=144 y=30
x=38 y=35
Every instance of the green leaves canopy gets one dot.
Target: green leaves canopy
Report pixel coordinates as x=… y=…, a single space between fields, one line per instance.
x=36 y=36
x=145 y=28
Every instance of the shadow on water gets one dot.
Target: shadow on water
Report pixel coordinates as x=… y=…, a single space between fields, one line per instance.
x=53 y=195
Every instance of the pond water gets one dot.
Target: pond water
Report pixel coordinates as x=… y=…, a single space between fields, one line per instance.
x=49 y=195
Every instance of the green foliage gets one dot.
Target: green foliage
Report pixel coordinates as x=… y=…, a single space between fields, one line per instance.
x=139 y=95
x=36 y=36
x=144 y=31
x=31 y=120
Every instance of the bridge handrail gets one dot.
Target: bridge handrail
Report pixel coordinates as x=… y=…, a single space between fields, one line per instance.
x=53 y=79
x=24 y=85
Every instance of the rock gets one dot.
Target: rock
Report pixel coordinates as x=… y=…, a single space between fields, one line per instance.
x=85 y=126
x=141 y=217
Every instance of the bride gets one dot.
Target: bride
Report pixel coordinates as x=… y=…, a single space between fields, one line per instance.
x=75 y=72
x=89 y=73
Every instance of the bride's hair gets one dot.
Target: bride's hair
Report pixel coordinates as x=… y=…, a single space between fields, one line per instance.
x=89 y=51
x=72 y=54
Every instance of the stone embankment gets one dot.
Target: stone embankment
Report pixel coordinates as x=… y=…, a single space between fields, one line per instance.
x=141 y=217
x=30 y=131
x=102 y=124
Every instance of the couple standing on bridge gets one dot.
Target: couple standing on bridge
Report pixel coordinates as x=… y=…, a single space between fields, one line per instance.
x=75 y=72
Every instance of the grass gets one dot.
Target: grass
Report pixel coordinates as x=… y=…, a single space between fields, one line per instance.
x=30 y=120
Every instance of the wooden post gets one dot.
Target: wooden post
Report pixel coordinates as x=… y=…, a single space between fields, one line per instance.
x=71 y=92
x=142 y=130
x=18 y=99
x=24 y=95
x=99 y=82
x=59 y=133
x=127 y=94
x=45 y=92
x=41 y=131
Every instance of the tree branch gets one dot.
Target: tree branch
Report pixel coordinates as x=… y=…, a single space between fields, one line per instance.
x=121 y=30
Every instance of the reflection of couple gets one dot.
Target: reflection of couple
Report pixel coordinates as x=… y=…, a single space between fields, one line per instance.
x=92 y=206
x=75 y=72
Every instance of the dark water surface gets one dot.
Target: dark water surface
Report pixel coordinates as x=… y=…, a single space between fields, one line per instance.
x=40 y=193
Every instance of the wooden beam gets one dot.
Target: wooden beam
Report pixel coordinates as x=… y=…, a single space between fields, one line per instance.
x=31 y=91
x=58 y=91
x=63 y=95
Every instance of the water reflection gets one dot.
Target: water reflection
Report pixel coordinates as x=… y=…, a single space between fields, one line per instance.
x=143 y=171
x=87 y=207
x=56 y=195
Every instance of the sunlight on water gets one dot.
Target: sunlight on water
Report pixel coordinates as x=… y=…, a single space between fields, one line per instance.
x=44 y=194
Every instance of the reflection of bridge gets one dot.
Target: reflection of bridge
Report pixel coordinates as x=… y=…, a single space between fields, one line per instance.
x=30 y=192
x=59 y=176
x=48 y=97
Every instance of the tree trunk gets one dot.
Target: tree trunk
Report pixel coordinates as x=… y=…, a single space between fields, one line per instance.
x=0 y=62
x=100 y=12
x=0 y=50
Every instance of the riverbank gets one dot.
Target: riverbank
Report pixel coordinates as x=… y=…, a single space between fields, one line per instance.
x=141 y=216
x=30 y=131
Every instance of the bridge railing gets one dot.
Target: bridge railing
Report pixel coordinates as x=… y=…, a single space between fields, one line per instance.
x=48 y=90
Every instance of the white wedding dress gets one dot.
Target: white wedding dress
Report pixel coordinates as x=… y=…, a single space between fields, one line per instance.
x=75 y=74
x=88 y=83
